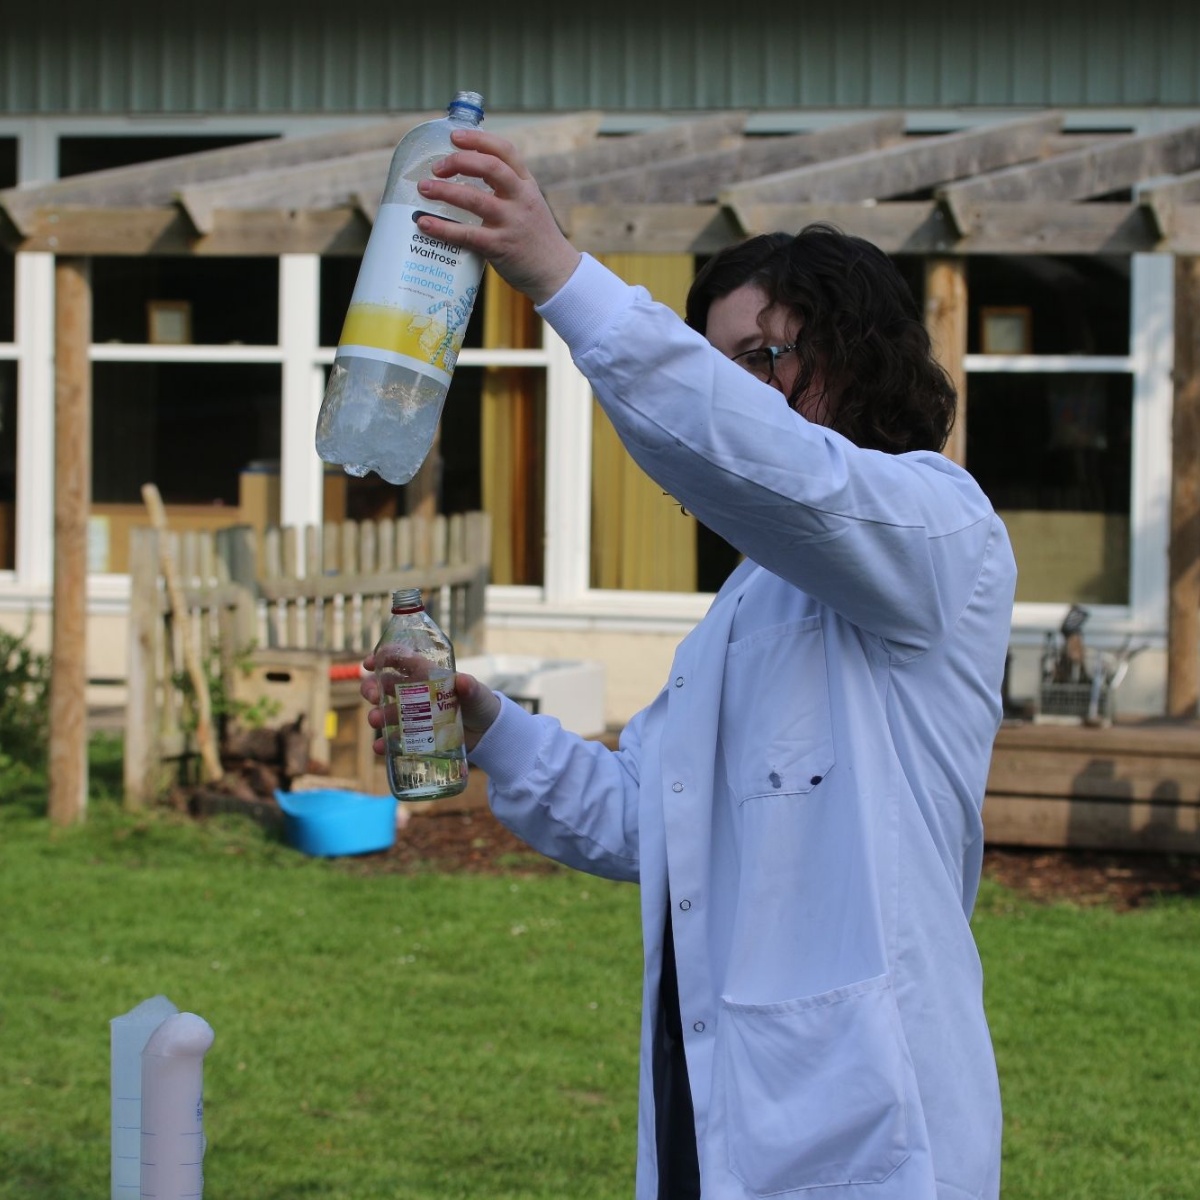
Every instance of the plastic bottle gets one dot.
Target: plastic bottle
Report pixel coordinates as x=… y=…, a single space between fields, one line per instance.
x=406 y=320
x=423 y=730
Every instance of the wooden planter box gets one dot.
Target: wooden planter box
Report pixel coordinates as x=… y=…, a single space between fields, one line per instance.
x=1129 y=786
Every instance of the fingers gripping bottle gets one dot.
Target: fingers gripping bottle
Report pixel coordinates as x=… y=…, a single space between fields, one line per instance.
x=406 y=320
x=423 y=729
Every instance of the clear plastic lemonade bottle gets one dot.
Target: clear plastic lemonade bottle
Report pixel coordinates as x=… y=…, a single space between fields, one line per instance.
x=407 y=317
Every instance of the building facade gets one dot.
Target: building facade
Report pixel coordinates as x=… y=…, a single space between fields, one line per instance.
x=207 y=373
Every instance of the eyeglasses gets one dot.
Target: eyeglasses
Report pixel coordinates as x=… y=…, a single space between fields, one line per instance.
x=761 y=362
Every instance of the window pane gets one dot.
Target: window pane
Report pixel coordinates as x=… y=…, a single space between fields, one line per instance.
x=1068 y=305
x=229 y=301
x=204 y=434
x=1053 y=454
x=337 y=285
x=191 y=429
x=8 y=464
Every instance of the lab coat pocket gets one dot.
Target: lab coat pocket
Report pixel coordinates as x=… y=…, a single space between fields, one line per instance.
x=815 y=1089
x=775 y=711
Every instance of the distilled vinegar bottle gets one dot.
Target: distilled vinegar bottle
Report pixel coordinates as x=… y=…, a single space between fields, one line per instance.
x=407 y=317
x=423 y=729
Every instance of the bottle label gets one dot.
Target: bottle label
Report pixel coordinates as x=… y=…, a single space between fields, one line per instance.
x=413 y=297
x=429 y=720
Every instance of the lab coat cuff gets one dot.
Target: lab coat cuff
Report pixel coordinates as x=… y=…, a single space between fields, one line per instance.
x=508 y=751
x=581 y=310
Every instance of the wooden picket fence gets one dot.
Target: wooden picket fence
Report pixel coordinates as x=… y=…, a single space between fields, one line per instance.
x=324 y=590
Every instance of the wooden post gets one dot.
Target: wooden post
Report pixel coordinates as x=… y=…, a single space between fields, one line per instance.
x=68 y=775
x=1183 y=609
x=946 y=321
x=206 y=739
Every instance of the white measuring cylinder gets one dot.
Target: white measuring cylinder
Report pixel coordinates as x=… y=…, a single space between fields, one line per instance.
x=129 y=1034
x=173 y=1109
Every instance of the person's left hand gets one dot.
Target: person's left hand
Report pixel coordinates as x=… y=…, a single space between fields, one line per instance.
x=479 y=705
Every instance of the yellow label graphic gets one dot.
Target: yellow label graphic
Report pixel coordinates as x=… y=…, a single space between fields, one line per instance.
x=398 y=331
x=413 y=296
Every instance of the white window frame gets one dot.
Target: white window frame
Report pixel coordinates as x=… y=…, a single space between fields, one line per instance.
x=1148 y=364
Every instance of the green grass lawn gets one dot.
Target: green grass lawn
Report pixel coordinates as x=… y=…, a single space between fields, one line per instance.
x=440 y=1036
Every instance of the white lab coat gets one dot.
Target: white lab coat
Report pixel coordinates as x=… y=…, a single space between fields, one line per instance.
x=804 y=791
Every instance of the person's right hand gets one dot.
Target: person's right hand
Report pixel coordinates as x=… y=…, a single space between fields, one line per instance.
x=519 y=235
x=479 y=705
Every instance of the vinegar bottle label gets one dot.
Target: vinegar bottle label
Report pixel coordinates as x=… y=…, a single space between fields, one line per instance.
x=429 y=719
x=413 y=297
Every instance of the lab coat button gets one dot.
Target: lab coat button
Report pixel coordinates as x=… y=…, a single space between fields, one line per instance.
x=677 y=787
x=685 y=905
x=699 y=1027
x=679 y=681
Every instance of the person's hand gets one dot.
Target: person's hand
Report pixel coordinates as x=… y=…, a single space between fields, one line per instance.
x=519 y=235
x=479 y=705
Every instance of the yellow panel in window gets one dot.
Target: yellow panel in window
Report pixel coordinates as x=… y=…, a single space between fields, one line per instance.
x=1070 y=557
x=640 y=539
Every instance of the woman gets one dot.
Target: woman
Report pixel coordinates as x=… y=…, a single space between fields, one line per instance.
x=801 y=801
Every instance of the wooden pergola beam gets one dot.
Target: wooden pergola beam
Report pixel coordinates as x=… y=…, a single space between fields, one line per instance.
x=924 y=227
x=554 y=137
x=605 y=155
x=1162 y=197
x=702 y=174
x=899 y=227
x=157 y=182
x=651 y=228
x=1092 y=171
x=329 y=184
x=898 y=170
x=351 y=179
x=168 y=231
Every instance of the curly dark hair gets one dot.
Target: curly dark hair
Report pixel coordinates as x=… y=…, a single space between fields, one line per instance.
x=861 y=332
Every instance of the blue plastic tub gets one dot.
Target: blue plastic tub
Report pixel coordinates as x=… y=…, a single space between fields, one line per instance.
x=331 y=822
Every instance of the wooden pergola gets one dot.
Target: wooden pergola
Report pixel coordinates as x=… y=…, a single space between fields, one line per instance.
x=692 y=184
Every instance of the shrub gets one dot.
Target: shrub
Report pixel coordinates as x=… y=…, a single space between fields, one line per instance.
x=24 y=701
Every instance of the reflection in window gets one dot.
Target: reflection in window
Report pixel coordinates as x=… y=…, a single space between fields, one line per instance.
x=1052 y=452
x=191 y=429
x=1075 y=305
x=208 y=436
x=230 y=300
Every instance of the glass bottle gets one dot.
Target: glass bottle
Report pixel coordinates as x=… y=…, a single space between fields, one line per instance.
x=423 y=730
x=407 y=317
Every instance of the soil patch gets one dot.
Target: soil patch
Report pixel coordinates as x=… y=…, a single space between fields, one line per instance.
x=476 y=841
x=468 y=838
